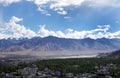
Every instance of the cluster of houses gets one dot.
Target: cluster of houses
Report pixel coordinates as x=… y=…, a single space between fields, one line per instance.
x=34 y=72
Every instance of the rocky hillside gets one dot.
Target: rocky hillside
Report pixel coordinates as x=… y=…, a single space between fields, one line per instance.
x=114 y=54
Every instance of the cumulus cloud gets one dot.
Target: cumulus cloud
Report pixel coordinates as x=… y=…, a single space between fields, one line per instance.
x=45 y=32
x=60 y=5
x=100 y=32
x=8 y=2
x=13 y=29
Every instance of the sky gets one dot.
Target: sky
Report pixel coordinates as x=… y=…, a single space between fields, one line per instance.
x=76 y=19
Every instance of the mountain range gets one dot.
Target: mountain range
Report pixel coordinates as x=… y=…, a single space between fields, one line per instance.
x=52 y=43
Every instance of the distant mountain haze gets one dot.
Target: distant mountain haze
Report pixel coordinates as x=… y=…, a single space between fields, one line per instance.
x=52 y=43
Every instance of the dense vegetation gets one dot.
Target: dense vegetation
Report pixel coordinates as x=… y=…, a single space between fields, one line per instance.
x=77 y=65
x=80 y=65
x=6 y=67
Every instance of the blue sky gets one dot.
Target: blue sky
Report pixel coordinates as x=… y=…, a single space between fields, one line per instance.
x=64 y=18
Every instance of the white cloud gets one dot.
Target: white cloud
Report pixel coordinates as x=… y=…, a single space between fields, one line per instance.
x=62 y=12
x=100 y=32
x=56 y=5
x=60 y=5
x=48 y=14
x=12 y=29
x=69 y=30
x=8 y=2
x=104 y=3
x=44 y=32
x=44 y=11
x=67 y=17
x=115 y=35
